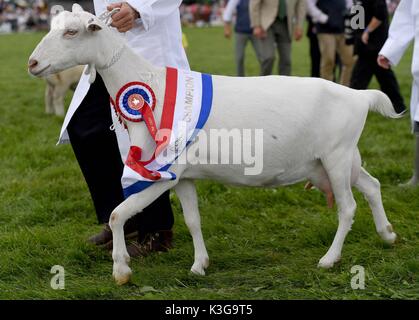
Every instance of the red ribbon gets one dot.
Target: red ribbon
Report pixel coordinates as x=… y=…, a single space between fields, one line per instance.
x=162 y=136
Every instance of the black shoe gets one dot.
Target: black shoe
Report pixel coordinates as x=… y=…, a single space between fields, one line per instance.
x=102 y=237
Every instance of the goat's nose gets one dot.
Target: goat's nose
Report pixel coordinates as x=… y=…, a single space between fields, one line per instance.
x=32 y=63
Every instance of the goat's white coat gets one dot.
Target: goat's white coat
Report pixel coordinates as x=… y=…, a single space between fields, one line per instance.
x=311 y=130
x=158 y=34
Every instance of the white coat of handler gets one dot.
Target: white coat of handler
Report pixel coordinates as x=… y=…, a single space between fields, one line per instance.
x=404 y=29
x=152 y=28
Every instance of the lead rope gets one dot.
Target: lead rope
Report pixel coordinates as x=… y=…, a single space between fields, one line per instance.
x=106 y=17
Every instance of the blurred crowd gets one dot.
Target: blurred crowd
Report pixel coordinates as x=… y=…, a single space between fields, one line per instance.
x=339 y=52
x=23 y=15
x=27 y=15
x=202 y=13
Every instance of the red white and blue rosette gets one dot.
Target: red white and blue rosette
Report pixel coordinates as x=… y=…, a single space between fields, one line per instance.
x=132 y=99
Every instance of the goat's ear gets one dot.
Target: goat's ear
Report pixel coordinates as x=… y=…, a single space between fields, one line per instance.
x=92 y=25
x=55 y=10
x=77 y=8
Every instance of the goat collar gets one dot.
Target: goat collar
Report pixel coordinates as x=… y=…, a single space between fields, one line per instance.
x=106 y=16
x=115 y=59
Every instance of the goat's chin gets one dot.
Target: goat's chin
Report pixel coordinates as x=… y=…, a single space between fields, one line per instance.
x=42 y=72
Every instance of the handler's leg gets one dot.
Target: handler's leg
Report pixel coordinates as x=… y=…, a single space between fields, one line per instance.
x=96 y=149
x=414 y=181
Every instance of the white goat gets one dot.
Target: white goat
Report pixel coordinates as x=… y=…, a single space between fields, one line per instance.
x=57 y=86
x=311 y=130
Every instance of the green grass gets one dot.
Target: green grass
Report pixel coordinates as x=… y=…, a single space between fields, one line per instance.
x=263 y=243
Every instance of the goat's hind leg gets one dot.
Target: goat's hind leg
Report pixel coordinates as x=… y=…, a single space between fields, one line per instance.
x=338 y=168
x=186 y=192
x=370 y=188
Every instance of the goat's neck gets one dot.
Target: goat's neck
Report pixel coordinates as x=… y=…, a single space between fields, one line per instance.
x=131 y=67
x=121 y=65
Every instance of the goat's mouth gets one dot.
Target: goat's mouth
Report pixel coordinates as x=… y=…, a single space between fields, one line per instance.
x=39 y=72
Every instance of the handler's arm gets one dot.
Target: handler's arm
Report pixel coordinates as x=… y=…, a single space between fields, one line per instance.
x=401 y=33
x=152 y=11
x=315 y=13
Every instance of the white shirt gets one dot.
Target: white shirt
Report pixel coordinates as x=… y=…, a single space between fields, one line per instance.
x=230 y=9
x=404 y=30
x=158 y=34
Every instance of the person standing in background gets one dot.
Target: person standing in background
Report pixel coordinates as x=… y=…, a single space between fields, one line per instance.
x=243 y=32
x=277 y=22
x=404 y=29
x=368 y=44
x=329 y=17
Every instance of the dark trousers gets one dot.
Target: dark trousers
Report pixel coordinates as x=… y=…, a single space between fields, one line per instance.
x=277 y=37
x=96 y=149
x=314 y=55
x=366 y=67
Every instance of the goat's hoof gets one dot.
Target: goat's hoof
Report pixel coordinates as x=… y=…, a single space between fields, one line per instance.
x=388 y=235
x=327 y=263
x=199 y=266
x=198 y=270
x=121 y=273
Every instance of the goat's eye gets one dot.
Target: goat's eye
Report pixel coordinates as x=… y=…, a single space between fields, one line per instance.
x=70 y=33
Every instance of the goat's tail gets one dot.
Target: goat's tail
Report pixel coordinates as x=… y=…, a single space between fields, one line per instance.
x=380 y=102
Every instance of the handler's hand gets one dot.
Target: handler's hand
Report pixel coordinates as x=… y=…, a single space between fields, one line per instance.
x=383 y=62
x=124 y=20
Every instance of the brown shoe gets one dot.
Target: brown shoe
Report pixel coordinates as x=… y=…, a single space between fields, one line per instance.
x=104 y=238
x=160 y=241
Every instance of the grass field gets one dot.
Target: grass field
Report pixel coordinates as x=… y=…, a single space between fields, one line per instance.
x=263 y=243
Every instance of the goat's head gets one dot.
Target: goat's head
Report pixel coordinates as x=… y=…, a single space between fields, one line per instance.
x=71 y=41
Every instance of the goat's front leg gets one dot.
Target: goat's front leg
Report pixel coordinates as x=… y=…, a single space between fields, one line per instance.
x=58 y=100
x=186 y=192
x=49 y=94
x=131 y=206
